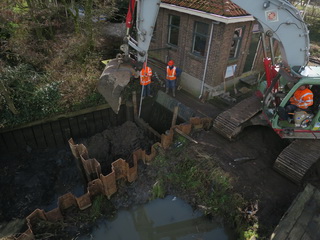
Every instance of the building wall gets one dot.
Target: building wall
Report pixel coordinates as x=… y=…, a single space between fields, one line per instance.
x=194 y=66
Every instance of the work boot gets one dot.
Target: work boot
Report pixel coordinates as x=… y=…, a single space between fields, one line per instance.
x=282 y=113
x=167 y=90
x=173 y=92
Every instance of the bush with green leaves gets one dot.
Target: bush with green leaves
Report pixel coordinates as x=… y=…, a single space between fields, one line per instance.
x=32 y=95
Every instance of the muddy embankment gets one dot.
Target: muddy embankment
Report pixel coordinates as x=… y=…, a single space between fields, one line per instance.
x=34 y=179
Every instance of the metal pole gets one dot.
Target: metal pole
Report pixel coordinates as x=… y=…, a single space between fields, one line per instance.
x=272 y=51
x=141 y=99
x=234 y=83
x=255 y=55
x=207 y=60
x=142 y=88
x=263 y=35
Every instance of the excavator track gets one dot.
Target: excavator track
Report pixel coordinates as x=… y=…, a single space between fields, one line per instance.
x=230 y=122
x=297 y=158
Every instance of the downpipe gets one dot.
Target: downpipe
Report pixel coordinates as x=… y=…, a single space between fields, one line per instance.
x=207 y=59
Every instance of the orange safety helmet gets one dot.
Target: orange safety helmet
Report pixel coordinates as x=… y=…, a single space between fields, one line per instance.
x=171 y=63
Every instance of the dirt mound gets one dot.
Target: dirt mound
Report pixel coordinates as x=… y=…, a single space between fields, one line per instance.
x=115 y=143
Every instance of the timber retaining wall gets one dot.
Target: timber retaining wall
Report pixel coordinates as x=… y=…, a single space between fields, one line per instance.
x=55 y=132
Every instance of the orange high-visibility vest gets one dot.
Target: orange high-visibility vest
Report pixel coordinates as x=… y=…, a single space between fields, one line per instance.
x=145 y=76
x=302 y=98
x=171 y=73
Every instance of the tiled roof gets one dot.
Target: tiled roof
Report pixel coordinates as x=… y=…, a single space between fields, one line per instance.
x=220 y=7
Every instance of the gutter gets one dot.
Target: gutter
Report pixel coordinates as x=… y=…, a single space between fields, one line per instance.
x=210 y=16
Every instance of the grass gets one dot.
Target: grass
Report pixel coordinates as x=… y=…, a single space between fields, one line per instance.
x=158 y=190
x=74 y=219
x=194 y=176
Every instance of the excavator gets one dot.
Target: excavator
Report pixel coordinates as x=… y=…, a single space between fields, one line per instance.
x=281 y=22
x=119 y=71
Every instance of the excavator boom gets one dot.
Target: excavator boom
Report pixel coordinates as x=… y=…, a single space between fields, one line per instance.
x=280 y=20
x=118 y=71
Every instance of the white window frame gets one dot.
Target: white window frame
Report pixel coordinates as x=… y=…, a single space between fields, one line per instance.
x=204 y=37
x=171 y=28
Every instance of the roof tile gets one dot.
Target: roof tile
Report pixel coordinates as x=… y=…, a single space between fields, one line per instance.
x=220 y=7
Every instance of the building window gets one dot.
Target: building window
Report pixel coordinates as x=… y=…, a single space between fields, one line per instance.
x=230 y=71
x=200 y=36
x=173 y=30
x=236 y=43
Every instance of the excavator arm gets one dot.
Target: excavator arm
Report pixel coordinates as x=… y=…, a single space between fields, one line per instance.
x=280 y=20
x=118 y=71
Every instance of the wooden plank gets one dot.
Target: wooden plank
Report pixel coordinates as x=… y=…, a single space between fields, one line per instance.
x=75 y=131
x=82 y=126
x=302 y=222
x=113 y=118
x=39 y=136
x=121 y=116
x=98 y=121
x=48 y=135
x=20 y=141
x=10 y=141
x=105 y=119
x=57 y=117
x=29 y=137
x=312 y=230
x=58 y=136
x=3 y=146
x=308 y=236
x=292 y=214
x=90 y=124
x=65 y=128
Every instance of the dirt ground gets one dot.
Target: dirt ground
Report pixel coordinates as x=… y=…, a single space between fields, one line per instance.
x=254 y=179
x=31 y=179
x=35 y=179
x=53 y=173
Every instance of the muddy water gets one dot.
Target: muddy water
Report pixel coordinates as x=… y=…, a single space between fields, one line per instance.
x=161 y=219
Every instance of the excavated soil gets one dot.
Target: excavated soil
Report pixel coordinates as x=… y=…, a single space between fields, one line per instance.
x=34 y=179
x=253 y=178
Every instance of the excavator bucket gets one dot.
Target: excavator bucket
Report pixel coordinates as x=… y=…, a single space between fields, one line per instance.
x=114 y=78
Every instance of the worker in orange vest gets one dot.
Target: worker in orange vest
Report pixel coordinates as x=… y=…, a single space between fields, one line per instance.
x=172 y=73
x=145 y=80
x=302 y=99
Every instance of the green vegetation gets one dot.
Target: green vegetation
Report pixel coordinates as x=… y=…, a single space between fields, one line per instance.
x=33 y=95
x=75 y=220
x=101 y=206
x=190 y=173
x=158 y=190
x=50 y=56
x=311 y=17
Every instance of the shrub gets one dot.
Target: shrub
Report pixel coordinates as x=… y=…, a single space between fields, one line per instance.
x=33 y=96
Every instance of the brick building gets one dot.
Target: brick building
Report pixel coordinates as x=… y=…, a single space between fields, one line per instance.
x=208 y=39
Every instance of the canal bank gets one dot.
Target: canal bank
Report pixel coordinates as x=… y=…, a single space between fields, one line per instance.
x=253 y=180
